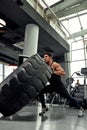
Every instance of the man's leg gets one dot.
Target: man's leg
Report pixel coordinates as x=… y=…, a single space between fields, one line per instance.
x=47 y=89
x=42 y=99
x=60 y=88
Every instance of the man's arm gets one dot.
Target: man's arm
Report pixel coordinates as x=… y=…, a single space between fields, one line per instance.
x=57 y=69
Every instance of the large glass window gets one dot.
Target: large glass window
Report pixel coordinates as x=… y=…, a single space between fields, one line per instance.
x=76 y=66
x=74 y=25
x=83 y=21
x=78 y=55
x=78 y=45
x=1 y=73
x=1 y=78
x=9 y=69
x=48 y=2
x=1 y=70
x=5 y=70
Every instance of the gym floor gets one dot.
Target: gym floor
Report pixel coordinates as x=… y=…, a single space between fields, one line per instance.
x=57 y=118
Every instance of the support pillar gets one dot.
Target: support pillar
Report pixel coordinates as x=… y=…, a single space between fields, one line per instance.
x=67 y=65
x=31 y=40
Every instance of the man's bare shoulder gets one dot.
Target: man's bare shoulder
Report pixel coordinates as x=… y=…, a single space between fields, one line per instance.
x=56 y=64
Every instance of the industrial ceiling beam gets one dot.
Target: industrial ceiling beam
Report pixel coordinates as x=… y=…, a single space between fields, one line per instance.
x=78 y=34
x=64 y=5
x=73 y=10
x=71 y=17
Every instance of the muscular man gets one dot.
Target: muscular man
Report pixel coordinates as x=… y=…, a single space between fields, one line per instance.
x=56 y=85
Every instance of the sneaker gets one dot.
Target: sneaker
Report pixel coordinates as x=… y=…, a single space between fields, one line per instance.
x=43 y=111
x=81 y=113
x=1 y=115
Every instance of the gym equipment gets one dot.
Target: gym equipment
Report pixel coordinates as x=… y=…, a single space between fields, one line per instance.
x=43 y=112
x=80 y=91
x=84 y=72
x=53 y=98
x=70 y=80
x=23 y=84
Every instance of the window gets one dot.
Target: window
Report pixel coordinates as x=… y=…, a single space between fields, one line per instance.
x=1 y=78
x=78 y=45
x=78 y=55
x=9 y=70
x=76 y=66
x=48 y=2
x=1 y=69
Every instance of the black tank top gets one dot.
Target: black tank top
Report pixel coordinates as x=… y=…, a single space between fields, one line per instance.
x=54 y=75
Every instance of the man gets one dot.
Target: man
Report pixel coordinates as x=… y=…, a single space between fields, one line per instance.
x=77 y=83
x=56 y=85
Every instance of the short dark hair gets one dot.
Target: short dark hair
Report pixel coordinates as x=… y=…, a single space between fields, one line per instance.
x=48 y=53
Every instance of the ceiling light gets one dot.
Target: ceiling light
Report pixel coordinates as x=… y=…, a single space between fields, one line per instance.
x=2 y=23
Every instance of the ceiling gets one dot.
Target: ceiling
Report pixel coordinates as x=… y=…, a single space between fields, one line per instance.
x=17 y=14
x=67 y=7
x=67 y=10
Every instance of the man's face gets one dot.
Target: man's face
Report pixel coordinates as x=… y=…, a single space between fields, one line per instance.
x=47 y=58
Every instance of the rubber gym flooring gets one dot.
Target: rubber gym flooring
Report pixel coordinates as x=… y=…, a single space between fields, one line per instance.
x=57 y=118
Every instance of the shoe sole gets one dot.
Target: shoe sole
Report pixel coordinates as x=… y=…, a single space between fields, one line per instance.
x=80 y=116
x=41 y=114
